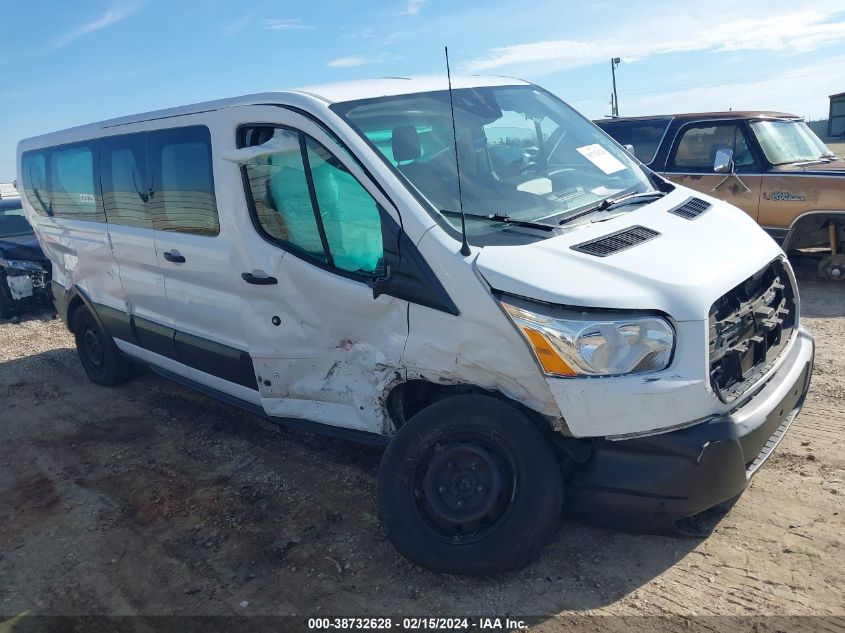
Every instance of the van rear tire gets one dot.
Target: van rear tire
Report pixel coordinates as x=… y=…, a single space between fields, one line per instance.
x=470 y=486
x=98 y=354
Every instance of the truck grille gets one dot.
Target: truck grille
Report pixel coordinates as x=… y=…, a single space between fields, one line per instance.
x=749 y=327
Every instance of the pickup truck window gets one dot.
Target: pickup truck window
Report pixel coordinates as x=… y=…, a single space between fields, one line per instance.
x=789 y=142
x=644 y=136
x=699 y=143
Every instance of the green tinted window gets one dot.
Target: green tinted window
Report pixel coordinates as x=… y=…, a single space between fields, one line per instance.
x=281 y=197
x=311 y=202
x=349 y=213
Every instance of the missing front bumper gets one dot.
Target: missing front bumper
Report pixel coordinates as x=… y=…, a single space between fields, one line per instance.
x=649 y=483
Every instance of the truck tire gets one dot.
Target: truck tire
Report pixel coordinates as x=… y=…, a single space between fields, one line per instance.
x=470 y=486
x=7 y=304
x=98 y=354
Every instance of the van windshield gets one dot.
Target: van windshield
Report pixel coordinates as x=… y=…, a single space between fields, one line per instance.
x=789 y=141
x=522 y=152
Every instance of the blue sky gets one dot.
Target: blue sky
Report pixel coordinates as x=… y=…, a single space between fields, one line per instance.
x=68 y=63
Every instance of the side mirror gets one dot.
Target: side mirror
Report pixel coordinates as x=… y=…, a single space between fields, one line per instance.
x=630 y=149
x=724 y=161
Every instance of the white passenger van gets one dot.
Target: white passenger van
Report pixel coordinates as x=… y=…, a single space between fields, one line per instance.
x=610 y=343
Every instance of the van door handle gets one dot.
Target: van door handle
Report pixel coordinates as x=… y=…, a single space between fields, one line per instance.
x=174 y=256
x=259 y=280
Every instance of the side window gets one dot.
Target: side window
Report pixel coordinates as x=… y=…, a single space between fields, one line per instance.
x=72 y=190
x=697 y=148
x=281 y=195
x=34 y=180
x=304 y=197
x=179 y=166
x=126 y=187
x=349 y=214
x=644 y=135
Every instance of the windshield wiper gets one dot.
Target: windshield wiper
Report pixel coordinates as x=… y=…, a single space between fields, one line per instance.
x=501 y=217
x=611 y=203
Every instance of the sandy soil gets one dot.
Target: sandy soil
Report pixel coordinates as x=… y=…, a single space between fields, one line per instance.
x=152 y=499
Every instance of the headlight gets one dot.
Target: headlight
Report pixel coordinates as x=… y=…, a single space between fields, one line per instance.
x=573 y=343
x=19 y=264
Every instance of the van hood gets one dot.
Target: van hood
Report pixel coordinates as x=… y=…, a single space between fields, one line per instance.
x=681 y=272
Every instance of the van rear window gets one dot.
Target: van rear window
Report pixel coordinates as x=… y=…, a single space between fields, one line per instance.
x=34 y=181
x=72 y=189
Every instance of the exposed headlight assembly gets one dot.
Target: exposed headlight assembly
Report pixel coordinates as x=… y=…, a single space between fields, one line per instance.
x=579 y=343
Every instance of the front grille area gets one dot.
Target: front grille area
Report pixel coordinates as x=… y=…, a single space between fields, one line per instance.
x=749 y=327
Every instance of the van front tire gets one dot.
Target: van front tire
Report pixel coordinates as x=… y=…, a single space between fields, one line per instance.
x=98 y=354
x=470 y=486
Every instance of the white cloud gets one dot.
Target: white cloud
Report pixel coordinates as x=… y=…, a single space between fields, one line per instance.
x=233 y=28
x=801 y=91
x=348 y=62
x=787 y=91
x=288 y=24
x=795 y=32
x=413 y=7
x=351 y=61
x=114 y=15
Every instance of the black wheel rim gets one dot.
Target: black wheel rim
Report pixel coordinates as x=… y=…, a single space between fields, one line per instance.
x=464 y=487
x=93 y=348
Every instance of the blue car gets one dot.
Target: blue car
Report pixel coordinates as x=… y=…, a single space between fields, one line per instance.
x=24 y=269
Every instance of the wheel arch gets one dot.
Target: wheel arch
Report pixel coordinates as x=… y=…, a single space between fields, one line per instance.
x=811 y=228
x=406 y=399
x=76 y=298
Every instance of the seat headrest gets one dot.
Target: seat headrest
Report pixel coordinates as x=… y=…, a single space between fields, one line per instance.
x=406 y=143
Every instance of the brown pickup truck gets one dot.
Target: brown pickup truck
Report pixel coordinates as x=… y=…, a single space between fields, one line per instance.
x=769 y=164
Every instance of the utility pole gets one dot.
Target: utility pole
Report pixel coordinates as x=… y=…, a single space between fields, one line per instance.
x=614 y=102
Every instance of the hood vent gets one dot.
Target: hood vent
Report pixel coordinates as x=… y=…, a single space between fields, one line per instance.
x=615 y=242
x=691 y=209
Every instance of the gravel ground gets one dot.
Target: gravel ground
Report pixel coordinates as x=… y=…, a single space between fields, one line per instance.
x=152 y=499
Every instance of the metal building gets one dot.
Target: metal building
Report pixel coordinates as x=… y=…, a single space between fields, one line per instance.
x=836 y=118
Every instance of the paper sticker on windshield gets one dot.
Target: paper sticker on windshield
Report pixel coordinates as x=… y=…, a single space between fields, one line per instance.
x=601 y=158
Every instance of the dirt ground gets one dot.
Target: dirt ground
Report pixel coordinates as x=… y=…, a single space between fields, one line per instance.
x=152 y=499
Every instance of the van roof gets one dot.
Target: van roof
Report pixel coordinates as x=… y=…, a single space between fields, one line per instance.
x=729 y=114
x=327 y=93
x=393 y=86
